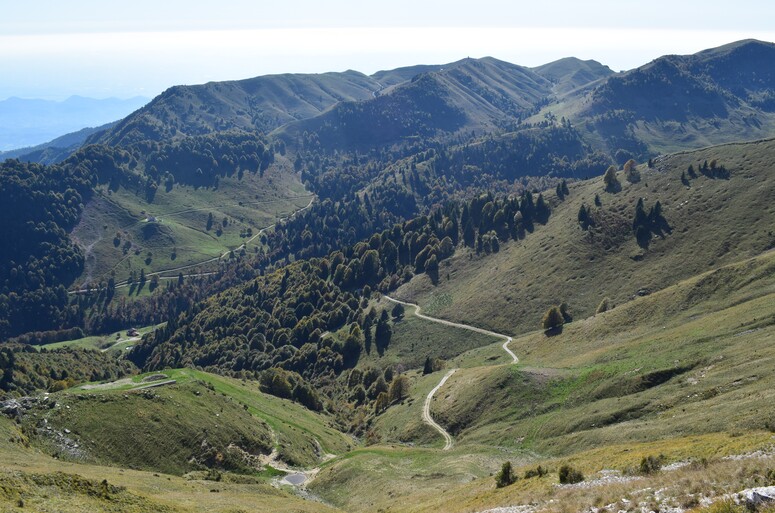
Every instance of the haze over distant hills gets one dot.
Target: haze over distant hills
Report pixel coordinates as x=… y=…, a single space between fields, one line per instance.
x=29 y=122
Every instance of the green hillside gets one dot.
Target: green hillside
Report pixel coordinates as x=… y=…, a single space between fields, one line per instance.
x=260 y=103
x=570 y=73
x=34 y=481
x=119 y=238
x=713 y=221
x=681 y=373
x=674 y=103
x=179 y=421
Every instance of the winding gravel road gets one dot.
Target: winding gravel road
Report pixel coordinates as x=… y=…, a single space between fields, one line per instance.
x=426 y=411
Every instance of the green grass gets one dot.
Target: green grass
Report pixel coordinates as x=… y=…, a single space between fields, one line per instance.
x=47 y=484
x=118 y=341
x=654 y=368
x=402 y=423
x=414 y=339
x=584 y=397
x=302 y=437
x=180 y=238
x=714 y=222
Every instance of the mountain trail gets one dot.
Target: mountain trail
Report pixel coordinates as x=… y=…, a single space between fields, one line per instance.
x=426 y=413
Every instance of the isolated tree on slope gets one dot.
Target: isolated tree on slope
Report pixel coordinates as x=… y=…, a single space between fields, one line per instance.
x=553 y=319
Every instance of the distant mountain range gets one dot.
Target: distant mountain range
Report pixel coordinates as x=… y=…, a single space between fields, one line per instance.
x=30 y=122
x=675 y=102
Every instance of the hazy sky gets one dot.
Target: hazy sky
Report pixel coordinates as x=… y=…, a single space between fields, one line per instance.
x=54 y=48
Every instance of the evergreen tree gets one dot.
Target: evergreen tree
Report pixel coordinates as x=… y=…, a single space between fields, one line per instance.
x=469 y=234
x=583 y=217
x=427 y=368
x=506 y=476
x=641 y=218
x=382 y=335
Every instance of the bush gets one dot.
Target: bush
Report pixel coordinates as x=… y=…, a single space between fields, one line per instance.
x=539 y=471
x=506 y=476
x=553 y=319
x=650 y=465
x=569 y=475
x=610 y=180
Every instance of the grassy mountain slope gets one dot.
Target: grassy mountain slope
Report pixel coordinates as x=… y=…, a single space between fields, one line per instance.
x=35 y=481
x=118 y=238
x=260 y=103
x=690 y=359
x=570 y=73
x=472 y=94
x=195 y=421
x=713 y=222
x=677 y=102
x=683 y=372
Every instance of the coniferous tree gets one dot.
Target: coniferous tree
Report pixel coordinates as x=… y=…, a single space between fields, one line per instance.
x=469 y=234
x=506 y=476
x=583 y=217
x=382 y=334
x=427 y=368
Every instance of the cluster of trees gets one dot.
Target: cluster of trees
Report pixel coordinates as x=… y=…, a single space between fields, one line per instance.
x=645 y=224
x=554 y=151
x=37 y=258
x=200 y=160
x=278 y=328
x=24 y=369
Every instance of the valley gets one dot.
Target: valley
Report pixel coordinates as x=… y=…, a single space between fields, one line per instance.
x=477 y=287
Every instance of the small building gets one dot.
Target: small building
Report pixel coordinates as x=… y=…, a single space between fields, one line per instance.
x=132 y=332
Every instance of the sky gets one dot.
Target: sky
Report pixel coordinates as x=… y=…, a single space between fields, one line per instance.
x=54 y=49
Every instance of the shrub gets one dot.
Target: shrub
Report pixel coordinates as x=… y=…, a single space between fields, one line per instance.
x=553 y=319
x=539 y=471
x=650 y=465
x=569 y=475
x=506 y=476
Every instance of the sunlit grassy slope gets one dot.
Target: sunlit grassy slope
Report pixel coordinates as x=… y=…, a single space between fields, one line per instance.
x=713 y=222
x=684 y=372
x=33 y=481
x=117 y=237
